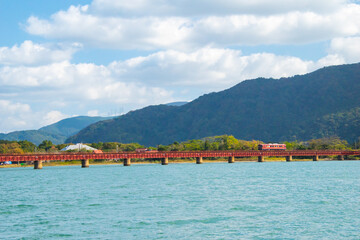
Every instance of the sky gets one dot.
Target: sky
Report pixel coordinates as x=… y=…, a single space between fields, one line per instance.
x=67 y=58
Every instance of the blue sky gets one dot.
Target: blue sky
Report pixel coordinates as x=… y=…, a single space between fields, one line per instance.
x=60 y=59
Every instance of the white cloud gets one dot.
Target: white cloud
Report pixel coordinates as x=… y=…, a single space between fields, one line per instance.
x=77 y=82
x=289 y=28
x=17 y=116
x=55 y=75
x=111 y=32
x=346 y=48
x=53 y=117
x=13 y=115
x=331 y=59
x=178 y=32
x=29 y=53
x=12 y=108
x=209 y=69
x=341 y=51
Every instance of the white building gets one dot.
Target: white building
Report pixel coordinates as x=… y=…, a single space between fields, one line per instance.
x=78 y=146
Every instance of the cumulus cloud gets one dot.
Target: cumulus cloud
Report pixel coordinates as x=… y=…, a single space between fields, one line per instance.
x=289 y=28
x=13 y=115
x=53 y=117
x=111 y=32
x=55 y=75
x=346 y=48
x=78 y=82
x=12 y=108
x=209 y=69
x=16 y=116
x=178 y=32
x=29 y=53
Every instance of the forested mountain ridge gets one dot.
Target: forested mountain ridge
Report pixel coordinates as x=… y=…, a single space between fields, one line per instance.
x=319 y=104
x=57 y=133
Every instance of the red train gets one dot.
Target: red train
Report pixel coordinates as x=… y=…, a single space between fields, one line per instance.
x=272 y=146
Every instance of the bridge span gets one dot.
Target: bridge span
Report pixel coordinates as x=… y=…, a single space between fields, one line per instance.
x=37 y=159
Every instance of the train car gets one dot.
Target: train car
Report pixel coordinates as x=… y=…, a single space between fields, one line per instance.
x=272 y=146
x=144 y=150
x=141 y=150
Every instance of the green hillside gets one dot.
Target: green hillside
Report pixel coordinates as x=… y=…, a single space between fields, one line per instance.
x=56 y=133
x=34 y=136
x=319 y=104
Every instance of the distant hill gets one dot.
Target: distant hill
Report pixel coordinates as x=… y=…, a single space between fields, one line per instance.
x=56 y=133
x=319 y=104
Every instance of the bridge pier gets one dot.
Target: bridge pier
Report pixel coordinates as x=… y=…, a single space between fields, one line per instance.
x=316 y=158
x=85 y=163
x=341 y=157
x=289 y=158
x=261 y=158
x=231 y=159
x=199 y=160
x=165 y=161
x=38 y=164
x=127 y=161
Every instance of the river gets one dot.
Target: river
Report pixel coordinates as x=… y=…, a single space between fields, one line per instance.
x=271 y=200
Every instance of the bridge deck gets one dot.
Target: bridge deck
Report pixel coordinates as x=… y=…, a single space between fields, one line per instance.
x=174 y=154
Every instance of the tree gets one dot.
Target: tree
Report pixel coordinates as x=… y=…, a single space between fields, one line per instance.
x=130 y=147
x=207 y=145
x=61 y=146
x=98 y=145
x=27 y=146
x=230 y=142
x=11 y=148
x=162 y=148
x=3 y=148
x=46 y=145
x=110 y=145
x=194 y=145
x=328 y=143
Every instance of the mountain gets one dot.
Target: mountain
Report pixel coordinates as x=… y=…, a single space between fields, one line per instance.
x=56 y=133
x=70 y=126
x=319 y=104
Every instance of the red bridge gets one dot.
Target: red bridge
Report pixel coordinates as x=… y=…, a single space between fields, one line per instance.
x=37 y=159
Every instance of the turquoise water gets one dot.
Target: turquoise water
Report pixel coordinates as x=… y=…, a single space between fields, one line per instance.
x=296 y=200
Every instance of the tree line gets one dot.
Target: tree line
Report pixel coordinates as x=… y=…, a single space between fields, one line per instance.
x=223 y=142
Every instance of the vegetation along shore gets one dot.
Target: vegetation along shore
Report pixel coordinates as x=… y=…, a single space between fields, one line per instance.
x=223 y=142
